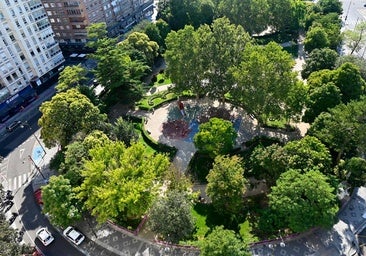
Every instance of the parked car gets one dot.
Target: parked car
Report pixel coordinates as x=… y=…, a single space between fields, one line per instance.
x=38 y=197
x=73 y=235
x=13 y=125
x=45 y=236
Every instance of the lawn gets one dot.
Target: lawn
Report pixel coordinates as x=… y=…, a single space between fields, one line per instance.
x=161 y=79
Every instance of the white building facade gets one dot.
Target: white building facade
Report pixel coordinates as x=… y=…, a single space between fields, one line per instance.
x=29 y=53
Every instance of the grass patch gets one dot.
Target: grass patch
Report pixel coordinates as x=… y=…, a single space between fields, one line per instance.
x=161 y=79
x=200 y=222
x=245 y=231
x=279 y=124
x=155 y=100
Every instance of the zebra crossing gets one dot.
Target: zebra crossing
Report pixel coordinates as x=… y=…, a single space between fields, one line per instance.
x=18 y=181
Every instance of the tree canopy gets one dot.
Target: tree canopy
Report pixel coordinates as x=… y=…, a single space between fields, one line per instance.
x=264 y=81
x=342 y=129
x=66 y=114
x=319 y=59
x=71 y=76
x=304 y=200
x=356 y=38
x=216 y=137
x=316 y=37
x=223 y=242
x=199 y=60
x=60 y=202
x=121 y=183
x=171 y=217
x=142 y=47
x=226 y=185
x=320 y=100
x=115 y=68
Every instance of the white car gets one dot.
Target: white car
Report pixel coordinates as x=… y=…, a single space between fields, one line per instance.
x=45 y=236
x=73 y=235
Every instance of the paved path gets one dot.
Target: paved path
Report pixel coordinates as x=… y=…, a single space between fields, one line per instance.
x=186 y=149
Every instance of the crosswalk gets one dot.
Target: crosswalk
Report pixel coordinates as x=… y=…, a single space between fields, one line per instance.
x=16 y=182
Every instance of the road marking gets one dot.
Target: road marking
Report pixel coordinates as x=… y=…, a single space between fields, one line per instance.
x=21 y=151
x=18 y=181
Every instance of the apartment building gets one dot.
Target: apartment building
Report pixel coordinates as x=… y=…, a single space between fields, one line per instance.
x=29 y=54
x=69 y=18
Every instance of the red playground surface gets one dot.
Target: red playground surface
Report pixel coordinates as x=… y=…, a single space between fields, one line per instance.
x=176 y=129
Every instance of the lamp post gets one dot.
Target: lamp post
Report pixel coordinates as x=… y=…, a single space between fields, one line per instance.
x=349 y=6
x=39 y=142
x=37 y=167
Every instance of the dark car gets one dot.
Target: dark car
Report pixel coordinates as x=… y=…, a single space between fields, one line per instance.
x=13 y=125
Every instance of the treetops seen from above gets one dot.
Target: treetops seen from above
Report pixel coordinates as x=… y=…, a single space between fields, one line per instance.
x=67 y=114
x=254 y=16
x=222 y=61
x=121 y=183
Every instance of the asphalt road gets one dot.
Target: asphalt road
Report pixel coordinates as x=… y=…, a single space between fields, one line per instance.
x=16 y=174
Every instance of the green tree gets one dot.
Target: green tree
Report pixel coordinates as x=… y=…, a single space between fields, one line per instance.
x=355 y=39
x=124 y=130
x=216 y=137
x=179 y=13
x=60 y=202
x=66 y=114
x=356 y=60
x=264 y=80
x=353 y=170
x=251 y=15
x=145 y=49
x=283 y=14
x=184 y=63
x=320 y=100
x=95 y=32
x=328 y=6
x=77 y=152
x=176 y=180
x=316 y=37
x=304 y=200
x=308 y=153
x=71 y=76
x=171 y=217
x=121 y=183
x=268 y=163
x=158 y=31
x=115 y=67
x=342 y=129
x=332 y=24
x=226 y=185
x=222 y=45
x=348 y=79
x=223 y=242
x=319 y=59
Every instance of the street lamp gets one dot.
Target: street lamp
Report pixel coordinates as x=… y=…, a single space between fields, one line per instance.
x=39 y=142
x=37 y=167
x=282 y=243
x=349 y=6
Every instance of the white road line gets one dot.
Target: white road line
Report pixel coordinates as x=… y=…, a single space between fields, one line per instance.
x=21 y=151
x=18 y=181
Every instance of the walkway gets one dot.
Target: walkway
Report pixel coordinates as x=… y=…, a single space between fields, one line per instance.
x=247 y=130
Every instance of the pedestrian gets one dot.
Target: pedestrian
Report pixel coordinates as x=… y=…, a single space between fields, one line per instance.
x=181 y=107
